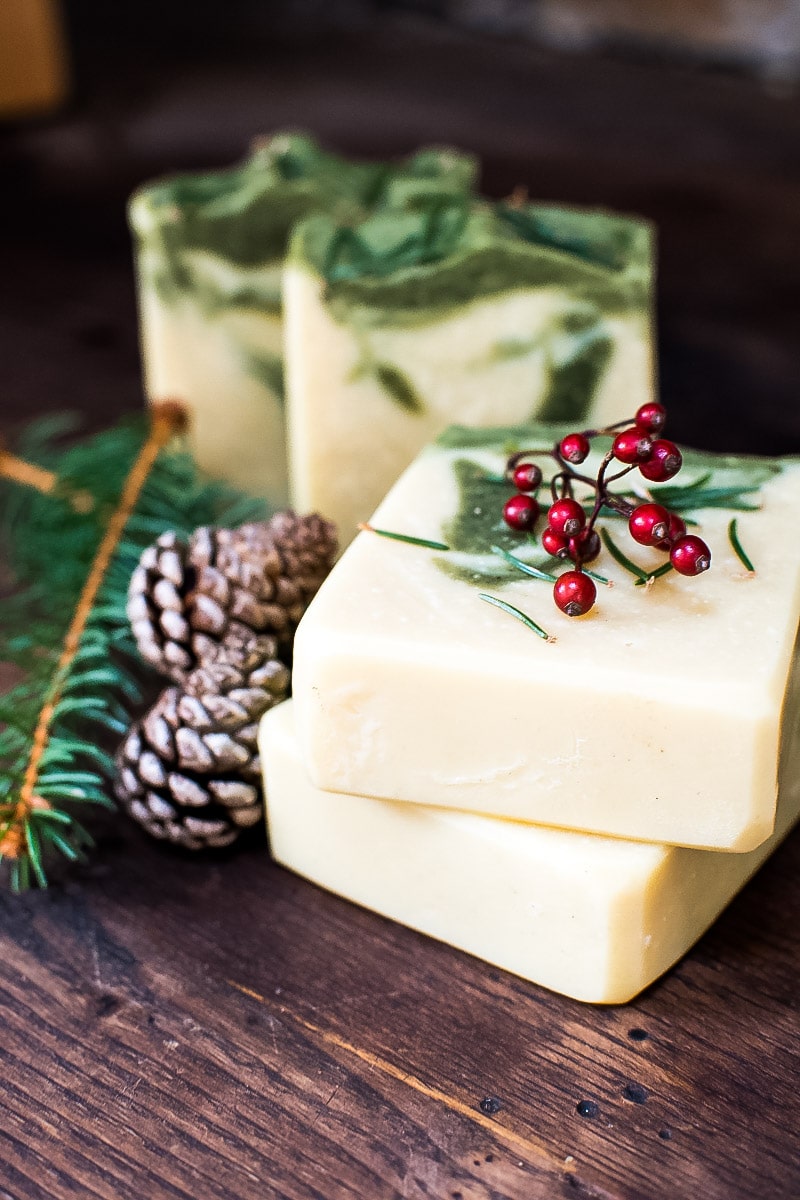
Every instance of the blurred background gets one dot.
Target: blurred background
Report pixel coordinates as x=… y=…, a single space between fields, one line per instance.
x=686 y=111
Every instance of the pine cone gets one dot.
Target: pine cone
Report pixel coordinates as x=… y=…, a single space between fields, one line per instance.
x=185 y=598
x=189 y=771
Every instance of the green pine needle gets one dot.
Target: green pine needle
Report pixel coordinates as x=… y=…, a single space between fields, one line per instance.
x=664 y=569
x=50 y=548
x=597 y=578
x=518 y=614
x=426 y=543
x=744 y=558
x=528 y=568
x=687 y=497
x=642 y=576
x=623 y=560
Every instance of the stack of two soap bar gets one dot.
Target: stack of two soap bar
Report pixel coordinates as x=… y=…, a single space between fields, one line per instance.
x=209 y=255
x=575 y=811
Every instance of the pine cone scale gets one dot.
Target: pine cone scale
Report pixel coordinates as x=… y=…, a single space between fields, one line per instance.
x=234 y=793
x=159 y=733
x=172 y=568
x=185 y=792
x=152 y=770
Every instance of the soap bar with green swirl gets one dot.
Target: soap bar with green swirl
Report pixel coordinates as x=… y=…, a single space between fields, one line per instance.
x=452 y=310
x=210 y=248
x=666 y=714
x=596 y=918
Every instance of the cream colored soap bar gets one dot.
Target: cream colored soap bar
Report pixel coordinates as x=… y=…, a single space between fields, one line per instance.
x=454 y=311
x=209 y=253
x=657 y=717
x=596 y=918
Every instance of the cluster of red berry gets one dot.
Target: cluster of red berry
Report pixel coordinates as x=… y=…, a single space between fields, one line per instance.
x=571 y=532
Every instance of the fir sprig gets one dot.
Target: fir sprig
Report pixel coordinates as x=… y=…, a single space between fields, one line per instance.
x=80 y=670
x=687 y=497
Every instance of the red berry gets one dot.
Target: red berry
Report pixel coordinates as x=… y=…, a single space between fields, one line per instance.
x=527 y=477
x=554 y=543
x=574 y=593
x=690 y=555
x=585 y=547
x=677 y=528
x=574 y=447
x=649 y=524
x=632 y=446
x=651 y=418
x=520 y=513
x=665 y=461
x=566 y=517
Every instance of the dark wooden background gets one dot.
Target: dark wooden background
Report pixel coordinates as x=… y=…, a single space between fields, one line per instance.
x=215 y=1028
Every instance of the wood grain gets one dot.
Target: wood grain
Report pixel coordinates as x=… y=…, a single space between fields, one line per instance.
x=215 y=1029
x=218 y=1028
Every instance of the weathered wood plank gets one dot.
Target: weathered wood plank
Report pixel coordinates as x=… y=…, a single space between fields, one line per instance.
x=222 y=1028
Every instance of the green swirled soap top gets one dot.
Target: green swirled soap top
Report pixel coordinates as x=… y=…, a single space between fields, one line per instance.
x=210 y=248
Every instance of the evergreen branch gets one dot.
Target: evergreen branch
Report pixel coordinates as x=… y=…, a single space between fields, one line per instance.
x=162 y=429
x=73 y=563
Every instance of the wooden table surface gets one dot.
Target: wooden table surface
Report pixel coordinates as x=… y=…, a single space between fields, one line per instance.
x=215 y=1028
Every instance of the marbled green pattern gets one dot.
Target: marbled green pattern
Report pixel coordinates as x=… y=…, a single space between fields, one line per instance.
x=243 y=215
x=447 y=251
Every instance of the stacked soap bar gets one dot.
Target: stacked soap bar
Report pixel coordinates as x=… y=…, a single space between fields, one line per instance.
x=454 y=310
x=210 y=249
x=615 y=787
x=596 y=918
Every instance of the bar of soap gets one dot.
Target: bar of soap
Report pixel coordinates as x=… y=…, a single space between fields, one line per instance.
x=595 y=918
x=454 y=311
x=210 y=249
x=658 y=716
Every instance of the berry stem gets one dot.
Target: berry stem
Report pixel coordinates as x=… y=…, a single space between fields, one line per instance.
x=568 y=475
x=519 y=456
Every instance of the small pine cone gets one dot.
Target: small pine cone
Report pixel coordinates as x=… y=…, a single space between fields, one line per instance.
x=259 y=577
x=189 y=771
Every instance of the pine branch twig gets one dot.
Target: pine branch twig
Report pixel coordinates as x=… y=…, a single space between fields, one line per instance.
x=73 y=563
x=165 y=422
